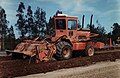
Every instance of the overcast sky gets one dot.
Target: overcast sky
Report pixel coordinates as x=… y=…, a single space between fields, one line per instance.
x=106 y=11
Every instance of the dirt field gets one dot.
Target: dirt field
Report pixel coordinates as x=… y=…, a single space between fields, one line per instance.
x=2 y=53
x=98 y=70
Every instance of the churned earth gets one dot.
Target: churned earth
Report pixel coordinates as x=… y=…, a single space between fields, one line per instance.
x=99 y=70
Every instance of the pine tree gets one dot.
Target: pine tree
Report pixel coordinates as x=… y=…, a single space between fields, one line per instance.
x=101 y=30
x=115 y=32
x=21 y=22
x=30 y=22
x=98 y=30
x=11 y=33
x=92 y=28
x=43 y=23
x=50 y=27
x=4 y=26
x=31 y=25
x=10 y=39
x=40 y=23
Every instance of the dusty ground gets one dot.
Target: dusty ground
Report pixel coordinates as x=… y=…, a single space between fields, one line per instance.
x=3 y=53
x=98 y=70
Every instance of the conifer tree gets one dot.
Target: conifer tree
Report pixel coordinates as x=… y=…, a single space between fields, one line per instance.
x=30 y=22
x=21 y=22
x=40 y=23
x=10 y=39
x=3 y=27
x=51 y=27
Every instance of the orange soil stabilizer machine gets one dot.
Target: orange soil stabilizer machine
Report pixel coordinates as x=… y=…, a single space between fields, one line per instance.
x=68 y=38
x=40 y=50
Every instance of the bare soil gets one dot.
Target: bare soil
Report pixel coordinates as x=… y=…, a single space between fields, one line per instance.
x=99 y=70
x=15 y=68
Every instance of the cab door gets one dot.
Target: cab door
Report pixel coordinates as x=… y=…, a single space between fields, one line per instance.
x=72 y=29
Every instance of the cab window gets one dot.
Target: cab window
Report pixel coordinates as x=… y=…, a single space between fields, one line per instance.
x=60 y=24
x=72 y=24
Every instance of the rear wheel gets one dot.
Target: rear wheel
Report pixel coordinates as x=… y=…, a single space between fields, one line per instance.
x=89 y=51
x=64 y=50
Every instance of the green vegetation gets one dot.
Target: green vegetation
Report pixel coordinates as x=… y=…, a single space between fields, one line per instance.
x=33 y=24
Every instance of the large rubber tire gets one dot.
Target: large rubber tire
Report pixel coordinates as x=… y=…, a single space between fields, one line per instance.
x=89 y=51
x=64 y=50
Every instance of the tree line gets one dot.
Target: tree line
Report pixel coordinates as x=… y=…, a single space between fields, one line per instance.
x=33 y=24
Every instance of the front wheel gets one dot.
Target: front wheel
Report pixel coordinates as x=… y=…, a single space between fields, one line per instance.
x=64 y=50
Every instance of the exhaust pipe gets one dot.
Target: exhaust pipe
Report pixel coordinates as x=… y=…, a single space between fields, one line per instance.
x=83 y=21
x=91 y=20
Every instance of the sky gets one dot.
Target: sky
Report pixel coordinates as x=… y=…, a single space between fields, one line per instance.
x=106 y=12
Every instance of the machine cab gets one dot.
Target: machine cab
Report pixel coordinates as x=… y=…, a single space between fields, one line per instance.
x=66 y=25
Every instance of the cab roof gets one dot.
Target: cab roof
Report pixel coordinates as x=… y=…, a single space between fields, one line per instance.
x=65 y=15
